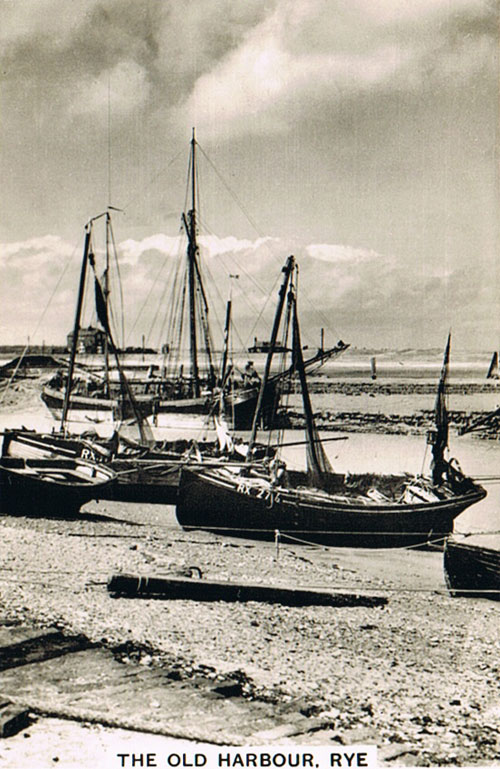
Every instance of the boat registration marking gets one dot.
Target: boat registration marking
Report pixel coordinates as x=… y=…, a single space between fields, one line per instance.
x=269 y=495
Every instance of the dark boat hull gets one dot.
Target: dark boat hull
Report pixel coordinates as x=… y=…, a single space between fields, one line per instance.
x=212 y=502
x=472 y=570
x=50 y=487
x=153 y=479
x=92 y=409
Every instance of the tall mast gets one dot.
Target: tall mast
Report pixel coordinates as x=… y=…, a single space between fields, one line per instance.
x=317 y=462
x=192 y=248
x=76 y=325
x=287 y=269
x=225 y=352
x=106 y=300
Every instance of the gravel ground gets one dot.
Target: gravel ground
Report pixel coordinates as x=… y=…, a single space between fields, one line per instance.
x=421 y=672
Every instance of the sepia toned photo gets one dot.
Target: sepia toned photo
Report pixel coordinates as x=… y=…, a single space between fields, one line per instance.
x=249 y=384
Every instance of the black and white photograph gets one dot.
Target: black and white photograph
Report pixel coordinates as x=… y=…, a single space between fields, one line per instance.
x=249 y=384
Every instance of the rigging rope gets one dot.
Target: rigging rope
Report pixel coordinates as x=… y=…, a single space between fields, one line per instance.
x=319 y=313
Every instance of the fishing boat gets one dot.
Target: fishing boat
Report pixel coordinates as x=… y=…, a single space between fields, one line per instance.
x=321 y=506
x=180 y=391
x=143 y=473
x=55 y=486
x=472 y=566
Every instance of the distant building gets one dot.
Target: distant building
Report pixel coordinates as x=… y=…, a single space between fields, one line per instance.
x=90 y=340
x=263 y=346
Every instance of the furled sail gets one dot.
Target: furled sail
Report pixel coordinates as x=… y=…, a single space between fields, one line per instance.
x=100 y=306
x=318 y=464
x=145 y=432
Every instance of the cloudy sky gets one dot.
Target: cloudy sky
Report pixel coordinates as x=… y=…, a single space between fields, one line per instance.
x=357 y=134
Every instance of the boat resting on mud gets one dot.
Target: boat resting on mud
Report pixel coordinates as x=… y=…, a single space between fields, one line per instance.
x=321 y=506
x=50 y=486
x=359 y=510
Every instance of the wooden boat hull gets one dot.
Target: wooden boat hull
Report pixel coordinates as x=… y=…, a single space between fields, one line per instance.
x=472 y=569
x=147 y=479
x=90 y=410
x=55 y=487
x=212 y=501
x=152 y=476
x=240 y=406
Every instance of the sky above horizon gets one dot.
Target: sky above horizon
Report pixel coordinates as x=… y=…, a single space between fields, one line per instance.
x=358 y=135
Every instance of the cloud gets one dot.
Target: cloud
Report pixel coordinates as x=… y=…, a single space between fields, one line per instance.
x=384 y=182
x=131 y=251
x=215 y=246
x=32 y=270
x=333 y=253
x=50 y=21
x=123 y=90
x=306 y=53
x=363 y=296
x=68 y=51
x=230 y=66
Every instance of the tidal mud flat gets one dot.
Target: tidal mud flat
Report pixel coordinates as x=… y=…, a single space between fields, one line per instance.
x=418 y=677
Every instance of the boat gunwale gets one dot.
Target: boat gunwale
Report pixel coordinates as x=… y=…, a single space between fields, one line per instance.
x=290 y=496
x=31 y=468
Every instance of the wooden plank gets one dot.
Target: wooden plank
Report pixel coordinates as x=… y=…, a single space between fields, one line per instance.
x=173 y=588
x=91 y=685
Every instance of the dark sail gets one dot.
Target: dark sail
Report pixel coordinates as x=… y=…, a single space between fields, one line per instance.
x=440 y=436
x=76 y=327
x=100 y=306
x=493 y=369
x=287 y=270
x=145 y=433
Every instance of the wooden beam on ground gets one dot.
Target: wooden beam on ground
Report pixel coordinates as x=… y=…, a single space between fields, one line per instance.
x=174 y=588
